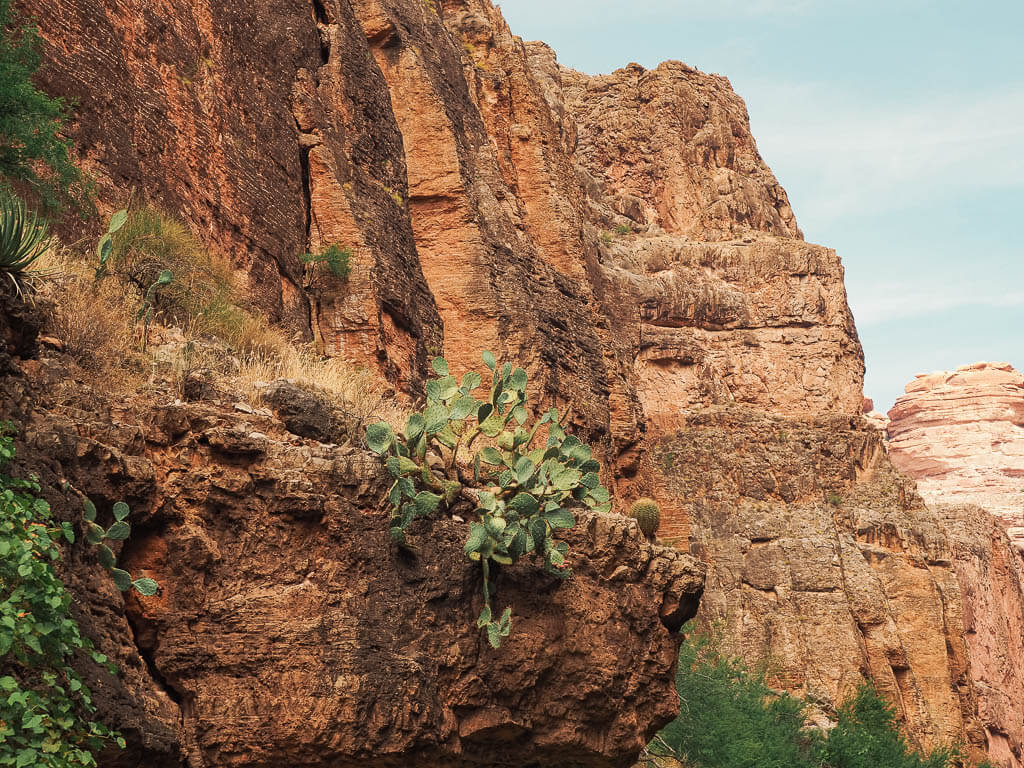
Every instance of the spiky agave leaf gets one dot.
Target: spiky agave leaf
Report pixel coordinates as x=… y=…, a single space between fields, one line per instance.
x=23 y=237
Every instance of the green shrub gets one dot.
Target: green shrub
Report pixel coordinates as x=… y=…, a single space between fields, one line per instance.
x=336 y=260
x=623 y=229
x=23 y=237
x=32 y=148
x=867 y=735
x=521 y=495
x=173 y=276
x=46 y=711
x=730 y=718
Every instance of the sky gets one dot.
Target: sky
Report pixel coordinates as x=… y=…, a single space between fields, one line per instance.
x=896 y=128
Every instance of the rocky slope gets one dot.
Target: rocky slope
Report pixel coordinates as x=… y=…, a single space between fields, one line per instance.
x=288 y=631
x=960 y=434
x=620 y=236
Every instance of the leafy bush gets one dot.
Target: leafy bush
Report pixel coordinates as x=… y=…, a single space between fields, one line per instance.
x=32 y=149
x=174 y=277
x=867 y=735
x=730 y=718
x=23 y=237
x=46 y=711
x=335 y=259
x=520 y=494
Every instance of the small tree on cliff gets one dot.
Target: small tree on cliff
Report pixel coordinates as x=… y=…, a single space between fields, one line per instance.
x=33 y=151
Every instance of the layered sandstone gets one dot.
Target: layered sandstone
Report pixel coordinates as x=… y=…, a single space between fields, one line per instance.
x=960 y=434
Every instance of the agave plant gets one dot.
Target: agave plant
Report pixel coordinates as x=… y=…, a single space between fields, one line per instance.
x=23 y=237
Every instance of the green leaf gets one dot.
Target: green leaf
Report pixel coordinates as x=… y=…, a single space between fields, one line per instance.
x=69 y=532
x=517 y=381
x=565 y=478
x=490 y=455
x=117 y=221
x=489 y=360
x=446 y=436
x=560 y=518
x=524 y=469
x=379 y=437
x=492 y=425
x=8 y=683
x=166 y=278
x=122 y=579
x=485 y=617
x=106 y=557
x=506 y=621
x=487 y=500
x=104 y=248
x=398 y=535
x=447 y=388
x=464 y=406
x=95 y=533
x=90 y=510
x=146 y=587
x=590 y=480
x=520 y=414
x=121 y=511
x=495 y=526
x=435 y=418
x=426 y=503
x=414 y=427
x=600 y=494
x=119 y=531
x=524 y=505
x=494 y=635
x=470 y=381
x=539 y=532
x=440 y=366
x=477 y=538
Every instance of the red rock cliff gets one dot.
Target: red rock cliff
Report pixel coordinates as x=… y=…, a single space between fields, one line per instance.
x=618 y=234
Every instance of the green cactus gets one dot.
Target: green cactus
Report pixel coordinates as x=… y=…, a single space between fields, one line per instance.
x=121 y=529
x=521 y=494
x=648 y=514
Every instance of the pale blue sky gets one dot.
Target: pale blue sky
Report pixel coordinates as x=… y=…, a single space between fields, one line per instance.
x=897 y=128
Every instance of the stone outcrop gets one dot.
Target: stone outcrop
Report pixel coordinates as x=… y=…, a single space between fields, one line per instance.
x=619 y=236
x=287 y=629
x=960 y=434
x=825 y=561
x=991 y=575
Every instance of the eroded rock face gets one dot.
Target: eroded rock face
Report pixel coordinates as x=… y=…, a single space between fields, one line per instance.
x=991 y=575
x=289 y=631
x=825 y=561
x=960 y=434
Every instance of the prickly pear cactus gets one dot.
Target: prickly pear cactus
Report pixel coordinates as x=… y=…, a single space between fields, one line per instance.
x=481 y=453
x=648 y=514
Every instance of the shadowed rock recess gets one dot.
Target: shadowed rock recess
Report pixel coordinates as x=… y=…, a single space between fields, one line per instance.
x=618 y=235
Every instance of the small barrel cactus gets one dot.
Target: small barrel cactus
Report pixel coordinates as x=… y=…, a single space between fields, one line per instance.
x=648 y=514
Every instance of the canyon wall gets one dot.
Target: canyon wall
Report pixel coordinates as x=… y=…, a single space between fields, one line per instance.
x=960 y=434
x=621 y=237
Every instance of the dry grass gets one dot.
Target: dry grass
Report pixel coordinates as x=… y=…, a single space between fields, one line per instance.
x=230 y=347
x=355 y=391
x=94 y=321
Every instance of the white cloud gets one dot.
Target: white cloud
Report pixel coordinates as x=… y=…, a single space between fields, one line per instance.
x=887 y=301
x=852 y=156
